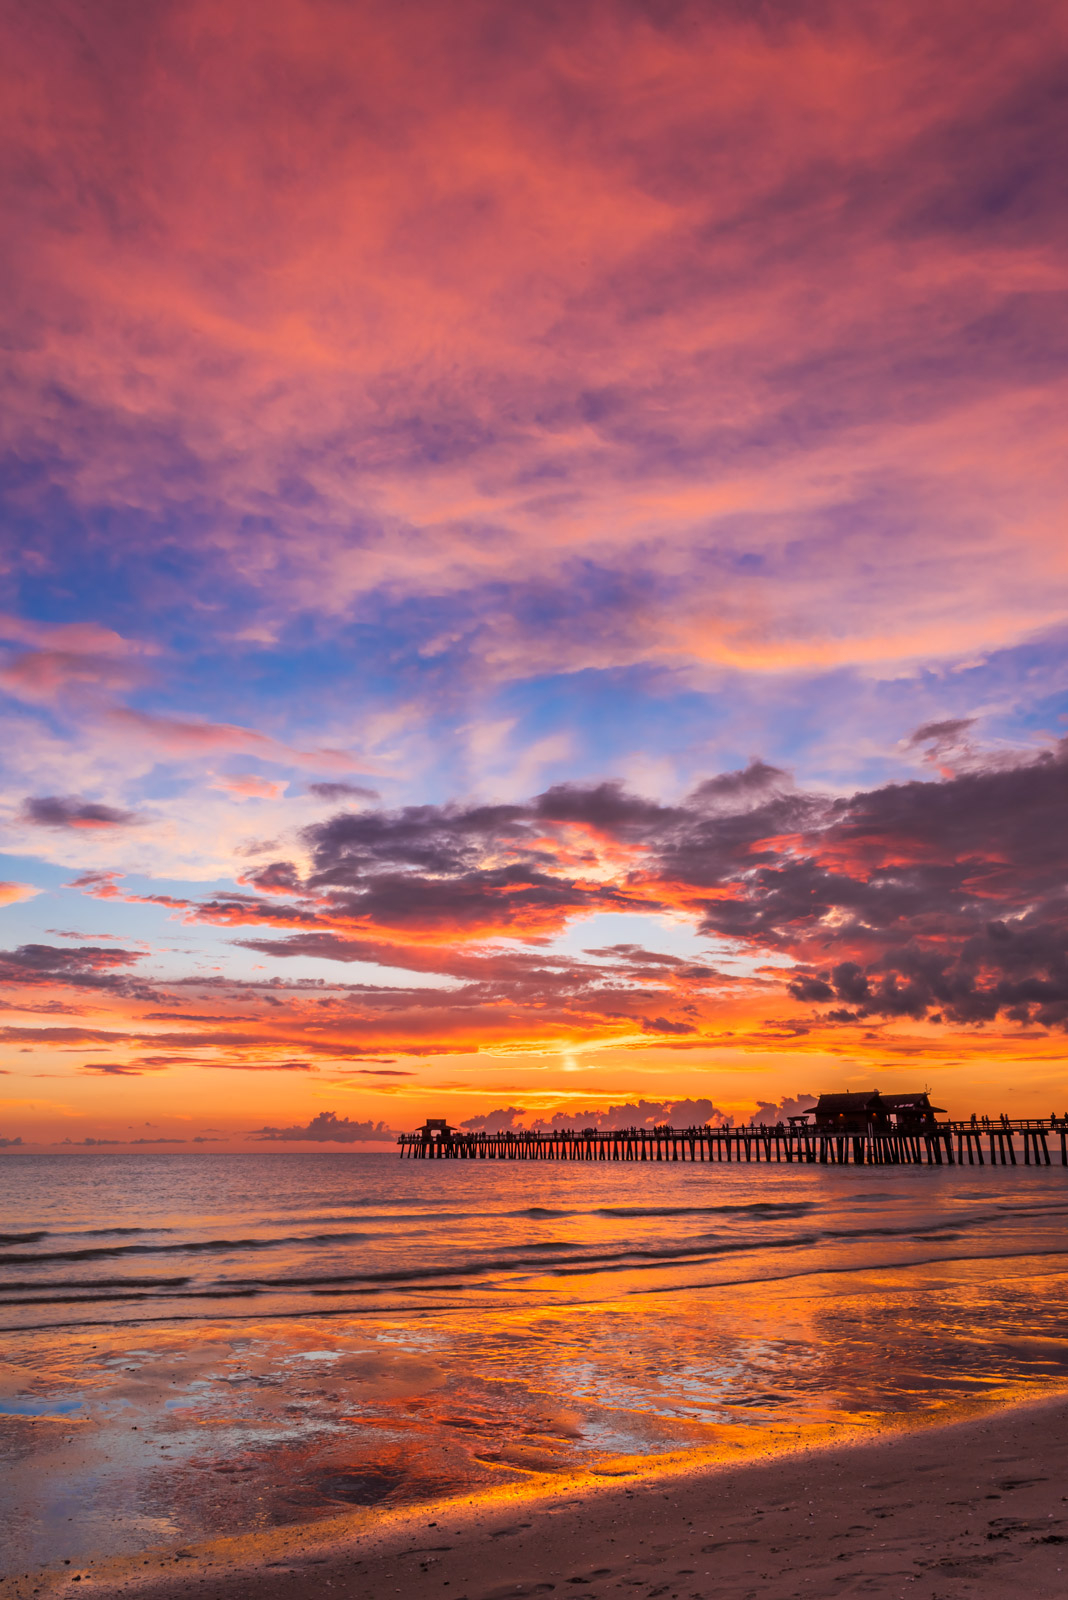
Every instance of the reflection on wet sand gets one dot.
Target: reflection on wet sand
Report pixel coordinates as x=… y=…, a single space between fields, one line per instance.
x=127 y=1437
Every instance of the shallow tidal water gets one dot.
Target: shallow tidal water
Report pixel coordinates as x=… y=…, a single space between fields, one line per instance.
x=201 y=1345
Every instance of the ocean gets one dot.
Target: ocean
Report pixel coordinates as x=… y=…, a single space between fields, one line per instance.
x=196 y=1345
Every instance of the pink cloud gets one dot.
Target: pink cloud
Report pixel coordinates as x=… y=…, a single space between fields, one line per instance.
x=80 y=657
x=184 y=738
x=44 y=675
x=249 y=786
x=101 y=885
x=561 y=315
x=80 y=638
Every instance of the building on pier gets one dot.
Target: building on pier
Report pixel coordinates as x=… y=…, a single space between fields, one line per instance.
x=435 y=1131
x=913 y=1113
x=861 y=1112
x=867 y=1111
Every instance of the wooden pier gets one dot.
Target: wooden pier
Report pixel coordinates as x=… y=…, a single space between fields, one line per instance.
x=1004 y=1143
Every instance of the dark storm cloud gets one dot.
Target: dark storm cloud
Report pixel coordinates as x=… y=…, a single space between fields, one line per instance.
x=507 y=898
x=730 y=788
x=808 y=988
x=69 y=811
x=443 y=867
x=278 y=877
x=440 y=839
x=498 y=867
x=946 y=897
x=894 y=901
x=604 y=806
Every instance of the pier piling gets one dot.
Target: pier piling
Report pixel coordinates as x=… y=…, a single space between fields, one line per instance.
x=934 y=1146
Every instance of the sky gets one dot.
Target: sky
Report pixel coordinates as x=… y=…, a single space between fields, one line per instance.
x=533 y=580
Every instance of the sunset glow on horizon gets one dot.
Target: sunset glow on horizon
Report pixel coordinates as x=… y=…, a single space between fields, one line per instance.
x=534 y=574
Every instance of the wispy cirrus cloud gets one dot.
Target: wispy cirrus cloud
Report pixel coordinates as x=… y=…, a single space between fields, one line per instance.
x=191 y=737
x=112 y=1069
x=664 y=374
x=42 y=662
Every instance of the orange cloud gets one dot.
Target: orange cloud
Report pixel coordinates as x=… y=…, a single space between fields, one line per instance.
x=12 y=893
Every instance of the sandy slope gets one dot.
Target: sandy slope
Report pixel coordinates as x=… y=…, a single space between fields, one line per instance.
x=976 y=1508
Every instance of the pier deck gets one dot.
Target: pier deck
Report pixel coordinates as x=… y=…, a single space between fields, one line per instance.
x=1016 y=1143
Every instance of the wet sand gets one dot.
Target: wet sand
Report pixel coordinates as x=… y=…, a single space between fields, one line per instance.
x=196 y=1352
x=977 y=1507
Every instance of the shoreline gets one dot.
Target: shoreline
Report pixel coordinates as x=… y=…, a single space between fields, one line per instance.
x=976 y=1504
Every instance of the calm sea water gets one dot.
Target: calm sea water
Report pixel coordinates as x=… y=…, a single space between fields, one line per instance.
x=204 y=1344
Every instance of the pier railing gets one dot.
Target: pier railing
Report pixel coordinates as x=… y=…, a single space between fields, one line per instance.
x=1005 y=1143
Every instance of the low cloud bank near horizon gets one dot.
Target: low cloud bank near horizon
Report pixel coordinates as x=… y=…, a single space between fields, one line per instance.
x=328 y=1128
x=644 y=1114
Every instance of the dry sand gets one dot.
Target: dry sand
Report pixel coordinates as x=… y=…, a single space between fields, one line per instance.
x=974 y=1508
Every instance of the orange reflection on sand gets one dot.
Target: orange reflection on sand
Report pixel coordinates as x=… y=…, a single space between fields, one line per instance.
x=213 y=1430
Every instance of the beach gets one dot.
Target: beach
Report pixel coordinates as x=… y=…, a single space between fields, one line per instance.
x=232 y=1374
x=973 y=1507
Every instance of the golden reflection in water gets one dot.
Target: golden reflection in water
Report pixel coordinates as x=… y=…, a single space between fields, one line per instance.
x=133 y=1437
